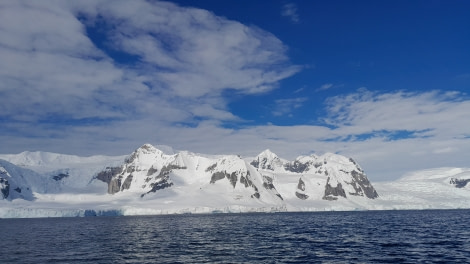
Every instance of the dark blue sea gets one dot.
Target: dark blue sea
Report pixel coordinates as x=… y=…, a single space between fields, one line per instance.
x=436 y=236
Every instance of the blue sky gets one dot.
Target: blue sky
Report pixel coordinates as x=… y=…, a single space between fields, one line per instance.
x=385 y=82
x=344 y=45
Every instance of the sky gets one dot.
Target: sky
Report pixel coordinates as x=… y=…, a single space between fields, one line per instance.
x=385 y=82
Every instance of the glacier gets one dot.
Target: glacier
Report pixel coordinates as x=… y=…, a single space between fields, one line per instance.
x=158 y=180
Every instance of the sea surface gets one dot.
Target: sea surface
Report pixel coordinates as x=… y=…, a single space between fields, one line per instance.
x=435 y=236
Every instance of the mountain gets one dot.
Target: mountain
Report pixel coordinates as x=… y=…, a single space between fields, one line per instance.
x=152 y=181
x=331 y=174
x=21 y=183
x=267 y=160
x=68 y=173
x=149 y=170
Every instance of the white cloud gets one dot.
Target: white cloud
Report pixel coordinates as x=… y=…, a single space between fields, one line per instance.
x=325 y=86
x=435 y=122
x=328 y=86
x=290 y=11
x=186 y=58
x=61 y=92
x=437 y=113
x=300 y=89
x=285 y=106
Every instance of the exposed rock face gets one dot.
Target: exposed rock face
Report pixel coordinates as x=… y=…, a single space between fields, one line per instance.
x=147 y=169
x=162 y=180
x=345 y=177
x=218 y=176
x=459 y=183
x=267 y=160
x=111 y=176
x=234 y=170
x=362 y=185
x=232 y=177
x=269 y=185
x=340 y=176
x=297 y=167
x=332 y=193
x=14 y=182
x=301 y=196
x=4 y=188
x=108 y=174
x=60 y=176
x=300 y=193
x=127 y=183
x=301 y=185
x=115 y=185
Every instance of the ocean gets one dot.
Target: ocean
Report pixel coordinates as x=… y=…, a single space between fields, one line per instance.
x=429 y=236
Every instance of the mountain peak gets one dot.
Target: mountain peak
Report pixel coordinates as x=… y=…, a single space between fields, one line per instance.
x=145 y=153
x=268 y=154
x=148 y=147
x=267 y=160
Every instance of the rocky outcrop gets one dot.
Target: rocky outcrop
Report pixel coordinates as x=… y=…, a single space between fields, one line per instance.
x=297 y=167
x=114 y=185
x=459 y=183
x=219 y=175
x=267 y=160
x=111 y=176
x=339 y=176
x=234 y=170
x=268 y=184
x=332 y=193
x=301 y=196
x=162 y=180
x=4 y=188
x=300 y=192
x=15 y=182
x=60 y=176
x=362 y=185
x=146 y=170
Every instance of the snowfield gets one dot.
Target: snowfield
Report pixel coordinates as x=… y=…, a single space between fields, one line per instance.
x=151 y=181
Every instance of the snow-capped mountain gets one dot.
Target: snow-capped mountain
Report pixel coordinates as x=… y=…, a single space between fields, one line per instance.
x=148 y=170
x=267 y=160
x=19 y=183
x=330 y=174
x=63 y=173
x=327 y=177
x=152 y=181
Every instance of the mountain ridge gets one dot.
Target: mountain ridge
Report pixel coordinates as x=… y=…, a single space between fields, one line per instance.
x=150 y=181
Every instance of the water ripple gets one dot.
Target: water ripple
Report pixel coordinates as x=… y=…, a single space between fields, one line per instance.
x=332 y=237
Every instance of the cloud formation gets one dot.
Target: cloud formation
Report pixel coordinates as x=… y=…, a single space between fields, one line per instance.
x=290 y=11
x=104 y=77
x=184 y=58
x=285 y=106
x=429 y=114
x=325 y=86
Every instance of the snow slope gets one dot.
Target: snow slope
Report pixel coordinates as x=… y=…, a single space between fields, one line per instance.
x=150 y=181
x=427 y=189
x=71 y=173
